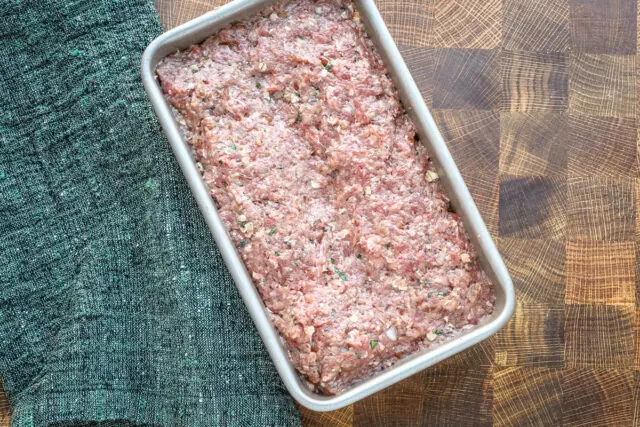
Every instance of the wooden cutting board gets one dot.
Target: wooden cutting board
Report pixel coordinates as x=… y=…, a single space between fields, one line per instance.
x=537 y=100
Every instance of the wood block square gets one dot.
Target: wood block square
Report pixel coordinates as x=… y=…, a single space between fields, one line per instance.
x=471 y=24
x=421 y=62
x=602 y=397
x=457 y=396
x=533 y=144
x=537 y=269
x=599 y=336
x=473 y=137
x=389 y=407
x=534 y=337
x=410 y=22
x=532 y=207
x=602 y=85
x=534 y=81
x=340 y=418
x=467 y=79
x=603 y=26
x=636 y=399
x=637 y=325
x=535 y=25
x=603 y=146
x=527 y=396
x=601 y=209
x=637 y=186
x=601 y=273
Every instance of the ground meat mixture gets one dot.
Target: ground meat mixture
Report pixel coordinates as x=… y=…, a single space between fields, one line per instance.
x=331 y=201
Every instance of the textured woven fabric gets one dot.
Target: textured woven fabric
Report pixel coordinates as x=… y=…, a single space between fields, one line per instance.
x=115 y=305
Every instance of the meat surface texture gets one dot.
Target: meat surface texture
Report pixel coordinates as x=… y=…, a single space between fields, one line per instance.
x=331 y=200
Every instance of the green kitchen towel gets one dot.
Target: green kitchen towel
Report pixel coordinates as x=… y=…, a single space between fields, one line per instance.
x=115 y=305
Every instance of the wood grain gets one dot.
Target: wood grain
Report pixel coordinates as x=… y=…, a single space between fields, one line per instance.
x=467 y=79
x=597 y=397
x=527 y=396
x=538 y=102
x=471 y=24
x=603 y=26
x=601 y=273
x=534 y=337
x=602 y=146
x=537 y=268
x=532 y=207
x=535 y=25
x=601 y=209
x=534 y=81
x=602 y=85
x=599 y=336
x=533 y=144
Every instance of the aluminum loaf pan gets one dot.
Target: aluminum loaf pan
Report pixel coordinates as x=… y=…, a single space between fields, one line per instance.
x=196 y=31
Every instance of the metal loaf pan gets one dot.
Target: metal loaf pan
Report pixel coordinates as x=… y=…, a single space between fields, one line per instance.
x=196 y=31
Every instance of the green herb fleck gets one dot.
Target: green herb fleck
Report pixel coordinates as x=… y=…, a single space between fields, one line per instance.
x=437 y=332
x=333 y=313
x=242 y=244
x=233 y=146
x=220 y=162
x=373 y=343
x=298 y=118
x=276 y=253
x=242 y=223
x=328 y=66
x=442 y=294
x=258 y=85
x=194 y=68
x=219 y=87
x=388 y=246
x=272 y=231
x=428 y=283
x=341 y=275
x=333 y=261
x=358 y=355
x=359 y=256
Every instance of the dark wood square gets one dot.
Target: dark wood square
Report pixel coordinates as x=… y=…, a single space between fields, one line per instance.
x=533 y=144
x=421 y=62
x=534 y=337
x=473 y=137
x=599 y=336
x=534 y=81
x=532 y=207
x=457 y=396
x=597 y=397
x=603 y=26
x=467 y=79
x=602 y=85
x=535 y=25
x=601 y=209
x=527 y=396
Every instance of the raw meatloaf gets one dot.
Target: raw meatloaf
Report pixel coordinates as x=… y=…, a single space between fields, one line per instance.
x=330 y=199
